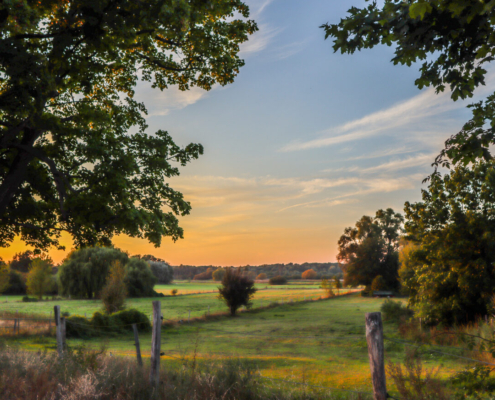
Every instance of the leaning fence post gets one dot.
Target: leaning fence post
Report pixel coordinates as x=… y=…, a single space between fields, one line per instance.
x=155 y=345
x=58 y=328
x=136 y=343
x=374 y=337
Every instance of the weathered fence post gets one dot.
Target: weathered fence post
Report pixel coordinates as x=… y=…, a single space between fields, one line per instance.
x=136 y=343
x=15 y=325
x=18 y=324
x=58 y=328
x=155 y=345
x=374 y=337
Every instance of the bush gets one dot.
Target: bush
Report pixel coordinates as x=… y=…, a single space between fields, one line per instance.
x=139 y=279
x=102 y=324
x=114 y=292
x=261 y=276
x=27 y=299
x=278 y=280
x=237 y=289
x=39 y=279
x=309 y=274
x=174 y=292
x=17 y=283
x=395 y=311
x=163 y=272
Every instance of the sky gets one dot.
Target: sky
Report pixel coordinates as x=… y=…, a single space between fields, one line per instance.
x=303 y=144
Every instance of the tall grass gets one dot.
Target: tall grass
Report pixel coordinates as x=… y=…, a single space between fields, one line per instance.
x=84 y=374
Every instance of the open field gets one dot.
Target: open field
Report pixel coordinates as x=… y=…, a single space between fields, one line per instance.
x=174 y=307
x=321 y=343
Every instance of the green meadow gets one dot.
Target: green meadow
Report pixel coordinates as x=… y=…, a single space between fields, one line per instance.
x=318 y=342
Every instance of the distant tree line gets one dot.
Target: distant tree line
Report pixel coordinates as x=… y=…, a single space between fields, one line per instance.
x=289 y=271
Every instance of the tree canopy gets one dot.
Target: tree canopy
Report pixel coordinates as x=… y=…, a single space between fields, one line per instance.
x=453 y=40
x=75 y=154
x=370 y=249
x=453 y=235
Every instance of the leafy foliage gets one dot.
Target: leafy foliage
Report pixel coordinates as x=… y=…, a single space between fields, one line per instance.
x=84 y=272
x=370 y=249
x=395 y=311
x=453 y=228
x=139 y=279
x=218 y=274
x=69 y=70
x=162 y=271
x=39 y=279
x=237 y=289
x=378 y=283
x=17 y=283
x=309 y=274
x=261 y=276
x=454 y=40
x=204 y=276
x=4 y=277
x=327 y=286
x=114 y=292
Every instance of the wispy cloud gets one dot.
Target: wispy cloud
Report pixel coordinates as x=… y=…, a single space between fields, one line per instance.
x=397 y=165
x=405 y=114
x=259 y=40
x=289 y=50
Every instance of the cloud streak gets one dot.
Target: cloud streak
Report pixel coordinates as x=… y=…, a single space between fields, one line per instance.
x=406 y=114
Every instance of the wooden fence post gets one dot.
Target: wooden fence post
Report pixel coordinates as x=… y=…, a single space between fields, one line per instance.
x=136 y=343
x=15 y=325
x=155 y=345
x=58 y=328
x=374 y=337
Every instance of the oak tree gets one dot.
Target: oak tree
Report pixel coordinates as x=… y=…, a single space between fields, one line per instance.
x=452 y=40
x=75 y=154
x=370 y=249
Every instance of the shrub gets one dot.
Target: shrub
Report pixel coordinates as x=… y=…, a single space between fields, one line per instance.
x=17 y=283
x=114 y=292
x=327 y=286
x=163 y=272
x=395 y=311
x=102 y=324
x=139 y=279
x=85 y=271
x=27 y=299
x=278 y=280
x=309 y=274
x=218 y=274
x=174 y=292
x=261 y=276
x=378 y=283
x=237 y=289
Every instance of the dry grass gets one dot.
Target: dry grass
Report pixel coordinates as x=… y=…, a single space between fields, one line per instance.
x=86 y=375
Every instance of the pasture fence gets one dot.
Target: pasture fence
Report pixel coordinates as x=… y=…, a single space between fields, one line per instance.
x=373 y=332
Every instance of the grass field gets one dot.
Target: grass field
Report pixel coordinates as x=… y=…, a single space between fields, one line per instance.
x=199 y=298
x=321 y=342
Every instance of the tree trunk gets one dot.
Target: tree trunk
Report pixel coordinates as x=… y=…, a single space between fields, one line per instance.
x=233 y=309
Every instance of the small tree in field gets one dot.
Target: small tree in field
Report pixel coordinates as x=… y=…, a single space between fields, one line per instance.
x=114 y=292
x=237 y=289
x=218 y=274
x=39 y=278
x=378 y=283
x=261 y=276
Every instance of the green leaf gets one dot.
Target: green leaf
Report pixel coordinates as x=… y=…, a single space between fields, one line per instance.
x=419 y=10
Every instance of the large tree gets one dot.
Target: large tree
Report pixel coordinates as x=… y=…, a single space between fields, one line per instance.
x=452 y=39
x=75 y=154
x=370 y=249
x=452 y=261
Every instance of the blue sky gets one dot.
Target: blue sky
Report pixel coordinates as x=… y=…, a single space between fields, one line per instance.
x=301 y=145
